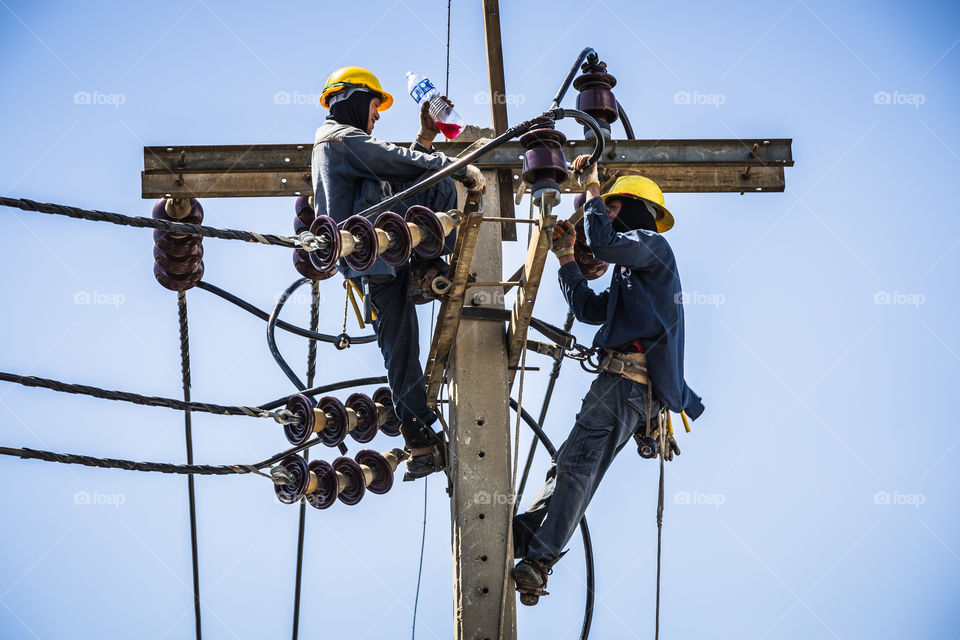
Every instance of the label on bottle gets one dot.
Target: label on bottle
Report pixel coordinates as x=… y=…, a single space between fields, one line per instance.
x=422 y=88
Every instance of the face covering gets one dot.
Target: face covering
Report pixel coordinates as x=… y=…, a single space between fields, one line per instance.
x=353 y=110
x=635 y=214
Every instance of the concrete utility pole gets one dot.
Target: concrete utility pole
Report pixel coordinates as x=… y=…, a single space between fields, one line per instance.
x=484 y=355
x=481 y=505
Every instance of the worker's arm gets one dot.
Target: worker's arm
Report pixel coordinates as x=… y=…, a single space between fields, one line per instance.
x=378 y=160
x=638 y=249
x=587 y=306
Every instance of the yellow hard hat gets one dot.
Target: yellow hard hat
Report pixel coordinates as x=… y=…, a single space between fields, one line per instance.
x=642 y=188
x=354 y=77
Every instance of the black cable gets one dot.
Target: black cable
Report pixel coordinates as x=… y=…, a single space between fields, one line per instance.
x=627 y=127
x=286 y=326
x=558 y=98
x=450 y=169
x=423 y=540
x=326 y=388
x=447 y=85
x=271 y=337
x=551 y=383
x=311 y=372
x=585 y=119
x=154 y=223
x=272 y=343
x=188 y=435
x=584 y=530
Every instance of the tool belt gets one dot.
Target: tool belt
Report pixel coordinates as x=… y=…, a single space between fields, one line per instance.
x=632 y=366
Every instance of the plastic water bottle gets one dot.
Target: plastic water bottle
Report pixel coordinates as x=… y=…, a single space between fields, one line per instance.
x=448 y=121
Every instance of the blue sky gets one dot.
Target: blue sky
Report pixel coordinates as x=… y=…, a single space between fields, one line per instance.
x=815 y=498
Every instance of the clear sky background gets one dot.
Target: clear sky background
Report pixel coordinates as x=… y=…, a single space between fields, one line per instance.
x=815 y=498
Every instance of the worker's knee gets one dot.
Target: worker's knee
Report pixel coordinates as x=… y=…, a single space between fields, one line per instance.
x=585 y=448
x=445 y=195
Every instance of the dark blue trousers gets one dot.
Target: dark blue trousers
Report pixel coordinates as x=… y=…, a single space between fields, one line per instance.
x=612 y=411
x=396 y=324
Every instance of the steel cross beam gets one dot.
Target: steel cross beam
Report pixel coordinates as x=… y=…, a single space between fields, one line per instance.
x=679 y=166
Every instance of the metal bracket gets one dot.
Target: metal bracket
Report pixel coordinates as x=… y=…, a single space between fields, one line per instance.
x=451 y=306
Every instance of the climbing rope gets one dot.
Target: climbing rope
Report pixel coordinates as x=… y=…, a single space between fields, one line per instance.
x=663 y=444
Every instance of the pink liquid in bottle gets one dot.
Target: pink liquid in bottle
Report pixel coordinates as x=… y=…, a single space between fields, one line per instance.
x=449 y=131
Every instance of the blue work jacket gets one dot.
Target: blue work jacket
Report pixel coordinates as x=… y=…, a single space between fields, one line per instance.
x=352 y=171
x=643 y=303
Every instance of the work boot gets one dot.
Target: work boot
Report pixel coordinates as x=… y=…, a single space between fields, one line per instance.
x=530 y=577
x=428 y=451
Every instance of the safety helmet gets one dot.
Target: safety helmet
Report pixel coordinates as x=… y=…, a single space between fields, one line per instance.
x=351 y=77
x=642 y=188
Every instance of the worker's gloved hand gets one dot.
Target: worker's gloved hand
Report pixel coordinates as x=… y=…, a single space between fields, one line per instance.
x=474 y=179
x=564 y=237
x=585 y=173
x=428 y=126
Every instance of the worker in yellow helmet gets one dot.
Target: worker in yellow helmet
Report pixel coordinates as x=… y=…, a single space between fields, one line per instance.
x=640 y=342
x=352 y=171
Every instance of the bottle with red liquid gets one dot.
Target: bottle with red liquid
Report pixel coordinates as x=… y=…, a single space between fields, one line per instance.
x=448 y=121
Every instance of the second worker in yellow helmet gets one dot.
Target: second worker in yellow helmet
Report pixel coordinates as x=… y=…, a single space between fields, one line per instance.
x=352 y=170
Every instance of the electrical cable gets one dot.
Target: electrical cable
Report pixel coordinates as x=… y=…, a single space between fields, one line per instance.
x=584 y=530
x=188 y=435
x=301 y=529
x=286 y=326
x=272 y=343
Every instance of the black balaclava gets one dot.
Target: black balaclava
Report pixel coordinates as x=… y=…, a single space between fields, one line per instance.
x=633 y=215
x=353 y=111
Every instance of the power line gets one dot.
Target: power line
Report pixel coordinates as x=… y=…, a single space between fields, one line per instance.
x=153 y=223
